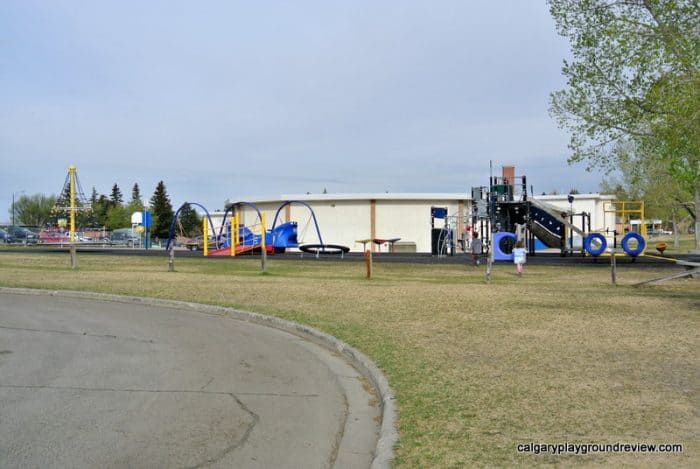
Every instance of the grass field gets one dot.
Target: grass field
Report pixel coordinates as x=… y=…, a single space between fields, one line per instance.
x=686 y=243
x=558 y=355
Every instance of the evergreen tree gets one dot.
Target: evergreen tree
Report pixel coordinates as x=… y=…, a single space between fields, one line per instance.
x=162 y=211
x=190 y=221
x=101 y=209
x=136 y=195
x=63 y=200
x=135 y=204
x=117 y=198
x=136 y=192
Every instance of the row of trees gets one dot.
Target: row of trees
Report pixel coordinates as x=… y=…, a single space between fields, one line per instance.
x=632 y=103
x=106 y=211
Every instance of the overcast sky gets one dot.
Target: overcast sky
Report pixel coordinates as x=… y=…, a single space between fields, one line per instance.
x=237 y=99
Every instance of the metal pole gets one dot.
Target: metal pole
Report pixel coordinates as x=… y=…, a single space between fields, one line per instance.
x=234 y=233
x=613 y=263
x=368 y=263
x=73 y=257
x=71 y=181
x=171 y=258
x=13 y=205
x=263 y=244
x=489 y=264
x=205 y=236
x=570 y=197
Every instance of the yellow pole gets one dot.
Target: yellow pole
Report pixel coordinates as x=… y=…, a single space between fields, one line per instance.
x=237 y=236
x=205 y=236
x=262 y=231
x=71 y=181
x=234 y=233
x=231 y=238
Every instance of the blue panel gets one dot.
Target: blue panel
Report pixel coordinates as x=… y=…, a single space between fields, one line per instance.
x=438 y=212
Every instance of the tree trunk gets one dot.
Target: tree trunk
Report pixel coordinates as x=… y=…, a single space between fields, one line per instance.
x=676 y=233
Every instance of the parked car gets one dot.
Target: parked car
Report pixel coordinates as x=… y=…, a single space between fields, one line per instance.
x=197 y=243
x=53 y=236
x=124 y=237
x=20 y=234
x=3 y=236
x=83 y=238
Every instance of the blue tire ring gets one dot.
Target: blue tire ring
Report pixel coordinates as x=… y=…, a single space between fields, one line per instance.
x=641 y=244
x=588 y=244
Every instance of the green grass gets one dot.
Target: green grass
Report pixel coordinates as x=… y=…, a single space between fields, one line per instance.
x=685 y=243
x=557 y=355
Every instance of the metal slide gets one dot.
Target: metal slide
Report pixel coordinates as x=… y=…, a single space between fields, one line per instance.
x=546 y=230
x=547 y=223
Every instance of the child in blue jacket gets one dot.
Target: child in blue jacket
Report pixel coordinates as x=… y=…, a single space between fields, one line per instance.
x=519 y=256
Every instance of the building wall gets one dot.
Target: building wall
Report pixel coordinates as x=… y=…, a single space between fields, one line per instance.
x=590 y=203
x=346 y=219
x=410 y=220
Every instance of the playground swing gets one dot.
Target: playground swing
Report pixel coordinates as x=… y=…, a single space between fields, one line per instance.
x=235 y=238
x=176 y=222
x=244 y=239
x=320 y=247
x=302 y=234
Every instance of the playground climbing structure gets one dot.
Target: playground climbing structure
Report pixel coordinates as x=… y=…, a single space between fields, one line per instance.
x=71 y=201
x=503 y=213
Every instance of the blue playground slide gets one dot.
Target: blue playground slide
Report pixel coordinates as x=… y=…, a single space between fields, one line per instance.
x=284 y=236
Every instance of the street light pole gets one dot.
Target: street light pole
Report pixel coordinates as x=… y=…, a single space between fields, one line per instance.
x=13 y=206
x=571 y=221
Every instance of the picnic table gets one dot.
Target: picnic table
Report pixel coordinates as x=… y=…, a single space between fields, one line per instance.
x=379 y=242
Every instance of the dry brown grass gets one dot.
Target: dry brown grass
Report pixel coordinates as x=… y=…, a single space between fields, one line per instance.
x=557 y=355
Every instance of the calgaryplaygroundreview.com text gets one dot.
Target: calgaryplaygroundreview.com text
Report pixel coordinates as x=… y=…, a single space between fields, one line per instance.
x=589 y=448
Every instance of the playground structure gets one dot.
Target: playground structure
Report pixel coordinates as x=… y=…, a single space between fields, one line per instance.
x=442 y=238
x=72 y=201
x=234 y=238
x=502 y=213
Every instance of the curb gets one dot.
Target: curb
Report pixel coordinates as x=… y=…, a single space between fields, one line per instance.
x=388 y=435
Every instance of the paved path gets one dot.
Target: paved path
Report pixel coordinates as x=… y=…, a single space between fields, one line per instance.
x=90 y=383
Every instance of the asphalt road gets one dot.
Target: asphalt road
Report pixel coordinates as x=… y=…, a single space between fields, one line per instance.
x=88 y=383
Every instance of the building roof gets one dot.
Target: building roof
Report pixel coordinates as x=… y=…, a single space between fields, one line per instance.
x=360 y=196
x=429 y=196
